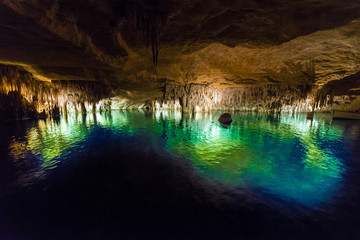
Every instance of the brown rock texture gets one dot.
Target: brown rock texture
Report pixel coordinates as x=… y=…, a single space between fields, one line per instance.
x=139 y=47
x=266 y=98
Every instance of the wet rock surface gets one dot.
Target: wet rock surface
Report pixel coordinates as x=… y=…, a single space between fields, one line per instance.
x=216 y=42
x=225 y=119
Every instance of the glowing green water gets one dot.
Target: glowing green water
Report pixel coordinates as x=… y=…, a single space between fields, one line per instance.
x=295 y=159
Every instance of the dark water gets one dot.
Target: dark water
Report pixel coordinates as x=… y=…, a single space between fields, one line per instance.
x=138 y=175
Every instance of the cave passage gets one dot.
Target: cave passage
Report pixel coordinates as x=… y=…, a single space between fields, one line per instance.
x=179 y=119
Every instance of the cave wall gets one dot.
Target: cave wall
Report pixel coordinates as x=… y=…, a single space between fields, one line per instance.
x=342 y=95
x=267 y=98
x=22 y=96
x=229 y=43
x=275 y=98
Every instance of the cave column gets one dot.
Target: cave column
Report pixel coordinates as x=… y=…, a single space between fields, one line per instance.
x=83 y=108
x=65 y=108
x=93 y=107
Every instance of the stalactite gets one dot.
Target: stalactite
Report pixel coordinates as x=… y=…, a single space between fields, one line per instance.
x=269 y=98
x=150 y=26
x=149 y=20
x=30 y=97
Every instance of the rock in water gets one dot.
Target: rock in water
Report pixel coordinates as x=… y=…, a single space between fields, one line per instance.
x=225 y=119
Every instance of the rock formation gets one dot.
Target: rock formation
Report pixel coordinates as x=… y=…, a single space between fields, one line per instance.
x=225 y=119
x=267 y=98
x=268 y=56
x=22 y=96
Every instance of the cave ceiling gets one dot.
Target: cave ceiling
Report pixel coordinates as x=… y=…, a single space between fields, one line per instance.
x=142 y=45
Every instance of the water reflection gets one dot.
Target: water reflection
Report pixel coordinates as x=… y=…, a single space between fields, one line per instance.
x=288 y=156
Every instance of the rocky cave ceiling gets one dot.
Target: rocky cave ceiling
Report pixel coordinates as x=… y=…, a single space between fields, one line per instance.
x=221 y=43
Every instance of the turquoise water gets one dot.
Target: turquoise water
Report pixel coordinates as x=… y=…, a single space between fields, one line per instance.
x=295 y=160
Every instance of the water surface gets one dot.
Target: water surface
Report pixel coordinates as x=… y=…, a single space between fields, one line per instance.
x=155 y=174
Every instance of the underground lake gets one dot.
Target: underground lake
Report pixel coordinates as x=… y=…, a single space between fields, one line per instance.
x=179 y=120
x=168 y=175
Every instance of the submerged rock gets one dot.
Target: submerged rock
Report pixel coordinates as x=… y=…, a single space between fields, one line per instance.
x=225 y=119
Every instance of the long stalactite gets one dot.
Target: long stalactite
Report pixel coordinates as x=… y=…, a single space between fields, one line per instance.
x=148 y=21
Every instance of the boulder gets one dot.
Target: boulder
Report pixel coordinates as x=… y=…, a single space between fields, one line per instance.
x=225 y=119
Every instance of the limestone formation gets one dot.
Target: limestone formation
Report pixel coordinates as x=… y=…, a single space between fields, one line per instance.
x=223 y=47
x=271 y=56
x=267 y=98
x=225 y=119
x=22 y=96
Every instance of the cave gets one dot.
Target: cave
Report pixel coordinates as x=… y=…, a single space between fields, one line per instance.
x=177 y=119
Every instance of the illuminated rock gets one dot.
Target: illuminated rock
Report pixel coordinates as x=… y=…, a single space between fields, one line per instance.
x=268 y=98
x=22 y=96
x=207 y=56
x=194 y=42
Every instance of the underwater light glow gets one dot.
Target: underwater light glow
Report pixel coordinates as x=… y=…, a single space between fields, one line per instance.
x=281 y=155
